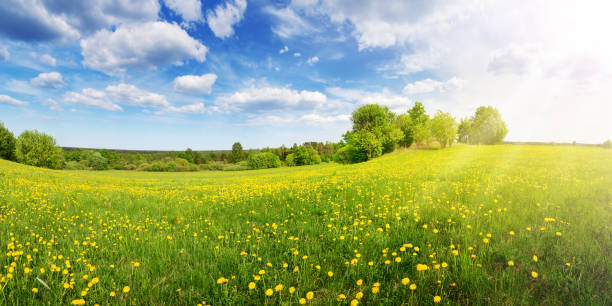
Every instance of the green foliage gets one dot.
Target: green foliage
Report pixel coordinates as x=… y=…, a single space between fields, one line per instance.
x=236 y=152
x=290 y=160
x=342 y=156
x=38 y=149
x=188 y=155
x=464 y=130
x=607 y=144
x=75 y=165
x=404 y=123
x=7 y=143
x=97 y=162
x=301 y=156
x=263 y=160
x=443 y=128
x=487 y=126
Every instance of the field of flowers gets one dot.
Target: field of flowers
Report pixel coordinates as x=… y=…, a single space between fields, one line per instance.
x=467 y=225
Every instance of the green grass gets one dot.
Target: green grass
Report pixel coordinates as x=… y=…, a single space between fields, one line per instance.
x=188 y=230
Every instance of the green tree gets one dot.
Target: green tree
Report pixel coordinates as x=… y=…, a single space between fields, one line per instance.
x=301 y=156
x=373 y=128
x=7 y=143
x=417 y=123
x=464 y=130
x=188 y=155
x=607 y=144
x=487 y=126
x=444 y=128
x=289 y=160
x=364 y=145
x=97 y=162
x=263 y=160
x=38 y=149
x=236 y=152
x=404 y=123
x=421 y=133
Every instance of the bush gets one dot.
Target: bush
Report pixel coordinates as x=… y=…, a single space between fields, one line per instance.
x=7 y=143
x=216 y=165
x=75 y=165
x=607 y=144
x=342 y=155
x=263 y=161
x=243 y=165
x=289 y=160
x=97 y=162
x=38 y=149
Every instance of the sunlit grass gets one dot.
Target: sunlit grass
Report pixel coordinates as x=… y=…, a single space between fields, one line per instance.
x=461 y=224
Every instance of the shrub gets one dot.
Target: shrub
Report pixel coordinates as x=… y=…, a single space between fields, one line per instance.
x=216 y=165
x=289 y=160
x=342 y=155
x=38 y=149
x=607 y=144
x=263 y=160
x=301 y=156
x=97 y=162
x=75 y=165
x=7 y=143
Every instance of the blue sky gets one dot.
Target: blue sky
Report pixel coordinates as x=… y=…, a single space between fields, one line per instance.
x=173 y=74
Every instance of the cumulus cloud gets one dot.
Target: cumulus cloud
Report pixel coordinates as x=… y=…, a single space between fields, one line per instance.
x=4 y=54
x=222 y=19
x=4 y=99
x=48 y=59
x=48 y=80
x=196 y=108
x=313 y=119
x=195 y=84
x=140 y=46
x=190 y=10
x=514 y=59
x=283 y=50
x=62 y=21
x=113 y=96
x=429 y=86
x=297 y=54
x=268 y=99
x=313 y=60
x=131 y=95
x=91 y=97
x=52 y=104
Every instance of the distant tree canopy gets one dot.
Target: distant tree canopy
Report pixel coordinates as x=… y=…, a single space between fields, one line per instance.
x=236 y=152
x=263 y=160
x=7 y=143
x=607 y=144
x=485 y=127
x=302 y=156
x=38 y=149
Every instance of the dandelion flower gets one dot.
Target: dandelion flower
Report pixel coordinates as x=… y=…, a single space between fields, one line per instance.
x=437 y=299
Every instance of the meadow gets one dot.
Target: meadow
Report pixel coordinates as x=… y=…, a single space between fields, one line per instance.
x=476 y=225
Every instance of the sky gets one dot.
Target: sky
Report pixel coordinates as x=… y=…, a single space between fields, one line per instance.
x=173 y=74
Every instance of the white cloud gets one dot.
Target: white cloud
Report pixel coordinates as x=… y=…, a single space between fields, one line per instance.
x=316 y=119
x=91 y=97
x=312 y=119
x=429 y=86
x=131 y=95
x=281 y=51
x=4 y=99
x=222 y=20
x=52 y=104
x=48 y=59
x=4 y=54
x=195 y=84
x=141 y=46
x=48 y=80
x=196 y=108
x=297 y=54
x=396 y=103
x=190 y=10
x=313 y=60
x=514 y=59
x=288 y=23
x=269 y=99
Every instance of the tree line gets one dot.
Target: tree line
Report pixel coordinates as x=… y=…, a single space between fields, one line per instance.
x=375 y=131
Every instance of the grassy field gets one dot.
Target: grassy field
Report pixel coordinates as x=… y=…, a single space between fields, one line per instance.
x=467 y=225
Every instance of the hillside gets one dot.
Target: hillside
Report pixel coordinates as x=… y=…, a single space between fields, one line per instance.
x=504 y=224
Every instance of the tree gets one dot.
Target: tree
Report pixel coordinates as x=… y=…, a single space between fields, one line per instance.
x=7 y=143
x=404 y=123
x=444 y=128
x=38 y=149
x=188 y=155
x=97 y=162
x=607 y=144
x=373 y=133
x=464 y=130
x=301 y=156
x=487 y=126
x=417 y=123
x=421 y=133
x=263 y=160
x=236 y=152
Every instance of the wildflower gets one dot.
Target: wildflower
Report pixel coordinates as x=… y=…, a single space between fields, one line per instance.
x=35 y=290
x=251 y=285
x=405 y=281
x=302 y=301
x=310 y=295
x=330 y=273
x=354 y=302
x=341 y=297
x=375 y=290
x=359 y=282
x=437 y=299
x=279 y=287
x=359 y=295
x=78 y=302
x=126 y=289
x=291 y=289
x=534 y=274
x=269 y=292
x=510 y=263
x=112 y=293
x=535 y=258
x=413 y=287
